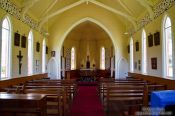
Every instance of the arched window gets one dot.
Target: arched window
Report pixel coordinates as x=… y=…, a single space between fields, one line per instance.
x=144 y=54
x=6 y=48
x=131 y=55
x=30 y=53
x=73 y=58
x=103 y=58
x=168 y=47
x=44 y=56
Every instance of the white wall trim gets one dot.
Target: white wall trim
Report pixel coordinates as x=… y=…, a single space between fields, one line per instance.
x=48 y=66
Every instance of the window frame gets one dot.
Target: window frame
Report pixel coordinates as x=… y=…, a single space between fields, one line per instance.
x=164 y=57
x=144 y=52
x=9 y=52
x=30 y=71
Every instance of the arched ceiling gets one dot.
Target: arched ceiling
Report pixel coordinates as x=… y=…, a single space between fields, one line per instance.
x=88 y=31
x=44 y=10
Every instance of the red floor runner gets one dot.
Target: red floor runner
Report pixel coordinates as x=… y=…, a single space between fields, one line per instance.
x=87 y=102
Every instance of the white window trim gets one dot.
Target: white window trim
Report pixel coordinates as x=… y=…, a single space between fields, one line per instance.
x=44 y=56
x=144 y=65
x=131 y=55
x=9 y=74
x=32 y=39
x=164 y=73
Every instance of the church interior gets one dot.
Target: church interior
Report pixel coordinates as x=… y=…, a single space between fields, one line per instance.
x=87 y=57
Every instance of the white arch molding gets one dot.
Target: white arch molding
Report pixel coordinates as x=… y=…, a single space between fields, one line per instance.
x=76 y=24
x=52 y=68
x=122 y=68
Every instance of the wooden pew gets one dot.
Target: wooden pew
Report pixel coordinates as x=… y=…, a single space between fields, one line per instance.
x=128 y=100
x=22 y=104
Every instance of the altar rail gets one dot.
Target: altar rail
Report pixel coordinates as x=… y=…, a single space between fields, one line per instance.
x=170 y=84
x=74 y=74
x=18 y=80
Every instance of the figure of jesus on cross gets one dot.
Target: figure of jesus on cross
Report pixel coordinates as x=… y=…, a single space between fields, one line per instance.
x=20 y=59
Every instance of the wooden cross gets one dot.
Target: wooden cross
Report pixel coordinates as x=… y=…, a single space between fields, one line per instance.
x=20 y=59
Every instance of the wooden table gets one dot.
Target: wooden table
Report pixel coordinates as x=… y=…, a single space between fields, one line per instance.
x=11 y=104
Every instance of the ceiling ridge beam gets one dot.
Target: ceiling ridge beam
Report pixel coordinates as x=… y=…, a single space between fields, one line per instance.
x=125 y=7
x=145 y=4
x=27 y=4
x=49 y=8
x=130 y=18
x=43 y=20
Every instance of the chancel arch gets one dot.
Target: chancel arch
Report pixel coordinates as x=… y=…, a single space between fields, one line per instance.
x=94 y=48
x=115 y=47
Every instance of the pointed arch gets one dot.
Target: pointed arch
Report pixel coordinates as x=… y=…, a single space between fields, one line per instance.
x=30 y=53
x=5 y=44
x=167 y=47
x=117 y=54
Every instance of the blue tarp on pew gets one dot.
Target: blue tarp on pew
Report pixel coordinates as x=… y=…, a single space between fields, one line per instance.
x=161 y=99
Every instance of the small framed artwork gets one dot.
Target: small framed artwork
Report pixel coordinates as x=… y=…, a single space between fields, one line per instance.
x=154 y=63
x=138 y=61
x=139 y=67
x=150 y=40
x=37 y=46
x=17 y=39
x=52 y=53
x=46 y=50
x=23 y=41
x=128 y=47
x=157 y=38
x=135 y=65
x=137 y=46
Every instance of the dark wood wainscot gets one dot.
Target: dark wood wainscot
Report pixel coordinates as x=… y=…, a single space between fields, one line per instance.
x=22 y=104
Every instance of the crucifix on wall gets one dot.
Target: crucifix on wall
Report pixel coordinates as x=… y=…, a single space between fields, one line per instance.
x=19 y=56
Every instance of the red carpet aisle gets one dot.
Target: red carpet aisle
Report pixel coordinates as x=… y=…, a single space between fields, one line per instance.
x=87 y=102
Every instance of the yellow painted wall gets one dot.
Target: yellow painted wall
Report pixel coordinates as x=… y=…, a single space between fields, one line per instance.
x=67 y=19
x=24 y=29
x=81 y=50
x=155 y=51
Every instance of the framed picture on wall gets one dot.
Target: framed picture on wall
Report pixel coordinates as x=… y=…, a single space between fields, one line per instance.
x=46 y=50
x=52 y=53
x=23 y=41
x=16 y=39
x=150 y=40
x=37 y=46
x=157 y=38
x=128 y=47
x=135 y=65
x=154 y=63
x=137 y=46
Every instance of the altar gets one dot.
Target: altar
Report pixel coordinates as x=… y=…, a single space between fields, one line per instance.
x=88 y=74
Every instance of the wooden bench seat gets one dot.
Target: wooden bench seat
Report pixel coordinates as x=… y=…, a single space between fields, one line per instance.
x=13 y=104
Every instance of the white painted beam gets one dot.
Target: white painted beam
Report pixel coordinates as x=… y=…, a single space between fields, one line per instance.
x=27 y=4
x=126 y=8
x=60 y=11
x=145 y=4
x=49 y=8
x=130 y=18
